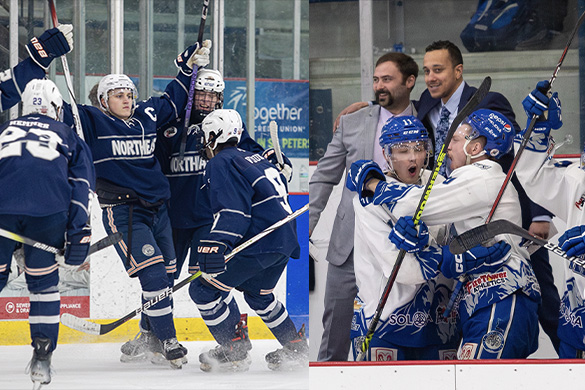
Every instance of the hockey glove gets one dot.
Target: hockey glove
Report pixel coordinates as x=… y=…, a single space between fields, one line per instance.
x=536 y=103
x=573 y=241
x=53 y=43
x=477 y=260
x=193 y=55
x=408 y=237
x=77 y=247
x=360 y=172
x=211 y=258
x=286 y=170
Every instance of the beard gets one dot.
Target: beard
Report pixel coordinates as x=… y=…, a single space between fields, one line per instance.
x=387 y=101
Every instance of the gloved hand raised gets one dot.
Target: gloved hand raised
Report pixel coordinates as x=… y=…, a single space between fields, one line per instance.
x=573 y=241
x=477 y=260
x=286 y=169
x=53 y=43
x=193 y=55
x=408 y=237
x=536 y=103
x=77 y=247
x=359 y=172
x=211 y=258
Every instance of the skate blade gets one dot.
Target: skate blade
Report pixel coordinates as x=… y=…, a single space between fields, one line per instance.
x=159 y=360
x=37 y=385
x=289 y=366
x=176 y=364
x=133 y=359
x=236 y=366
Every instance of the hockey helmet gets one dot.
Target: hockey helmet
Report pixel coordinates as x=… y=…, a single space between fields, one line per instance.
x=115 y=81
x=210 y=81
x=495 y=127
x=221 y=126
x=42 y=97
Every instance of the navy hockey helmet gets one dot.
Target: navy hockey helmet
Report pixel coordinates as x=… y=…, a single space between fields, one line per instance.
x=495 y=127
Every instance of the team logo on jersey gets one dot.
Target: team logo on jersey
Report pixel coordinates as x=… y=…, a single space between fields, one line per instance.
x=384 y=354
x=486 y=281
x=467 y=351
x=170 y=132
x=580 y=202
x=447 y=354
x=493 y=341
x=147 y=250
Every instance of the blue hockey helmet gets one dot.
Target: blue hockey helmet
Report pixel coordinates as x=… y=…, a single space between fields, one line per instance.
x=495 y=127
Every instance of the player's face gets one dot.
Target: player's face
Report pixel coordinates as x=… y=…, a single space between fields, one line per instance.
x=390 y=87
x=407 y=160
x=441 y=76
x=455 y=150
x=120 y=102
x=206 y=101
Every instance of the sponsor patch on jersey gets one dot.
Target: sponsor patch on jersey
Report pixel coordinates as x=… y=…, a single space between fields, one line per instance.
x=170 y=132
x=493 y=341
x=447 y=354
x=148 y=250
x=467 y=351
x=580 y=202
x=384 y=354
x=486 y=281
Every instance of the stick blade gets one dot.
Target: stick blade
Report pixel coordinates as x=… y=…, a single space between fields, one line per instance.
x=81 y=325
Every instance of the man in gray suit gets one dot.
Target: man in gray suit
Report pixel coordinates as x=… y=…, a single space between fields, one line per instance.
x=356 y=138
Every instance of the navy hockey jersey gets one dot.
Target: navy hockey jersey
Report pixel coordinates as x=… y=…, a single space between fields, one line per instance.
x=45 y=168
x=14 y=80
x=123 y=150
x=189 y=204
x=248 y=194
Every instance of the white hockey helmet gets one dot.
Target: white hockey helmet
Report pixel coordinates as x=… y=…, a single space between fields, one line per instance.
x=115 y=81
x=221 y=126
x=42 y=97
x=209 y=80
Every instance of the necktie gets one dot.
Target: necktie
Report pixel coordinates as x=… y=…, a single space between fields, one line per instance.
x=440 y=135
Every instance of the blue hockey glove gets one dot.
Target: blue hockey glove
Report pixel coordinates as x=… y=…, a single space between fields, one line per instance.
x=286 y=169
x=573 y=241
x=536 y=103
x=408 y=237
x=53 y=43
x=477 y=260
x=77 y=247
x=360 y=172
x=211 y=258
x=193 y=55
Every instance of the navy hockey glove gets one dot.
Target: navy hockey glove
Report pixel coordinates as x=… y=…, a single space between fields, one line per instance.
x=193 y=55
x=477 y=260
x=573 y=241
x=536 y=103
x=408 y=237
x=53 y=43
x=286 y=169
x=211 y=258
x=360 y=172
x=77 y=247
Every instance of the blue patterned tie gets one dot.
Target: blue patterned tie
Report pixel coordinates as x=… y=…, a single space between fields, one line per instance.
x=440 y=135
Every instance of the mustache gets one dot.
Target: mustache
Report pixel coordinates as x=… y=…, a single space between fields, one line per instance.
x=390 y=97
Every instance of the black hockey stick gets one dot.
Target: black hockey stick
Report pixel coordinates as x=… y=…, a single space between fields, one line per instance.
x=530 y=127
x=82 y=325
x=465 y=111
x=98 y=246
x=192 y=84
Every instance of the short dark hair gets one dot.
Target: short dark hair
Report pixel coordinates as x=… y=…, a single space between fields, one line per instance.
x=405 y=64
x=454 y=52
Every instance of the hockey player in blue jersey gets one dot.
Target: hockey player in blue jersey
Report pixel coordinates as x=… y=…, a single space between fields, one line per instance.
x=45 y=174
x=53 y=43
x=132 y=189
x=247 y=195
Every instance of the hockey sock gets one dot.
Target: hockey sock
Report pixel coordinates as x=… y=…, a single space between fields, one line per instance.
x=44 y=312
x=160 y=315
x=274 y=315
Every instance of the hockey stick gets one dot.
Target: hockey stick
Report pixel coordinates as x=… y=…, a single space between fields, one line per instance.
x=68 y=81
x=530 y=127
x=98 y=246
x=465 y=111
x=275 y=142
x=192 y=84
x=89 y=327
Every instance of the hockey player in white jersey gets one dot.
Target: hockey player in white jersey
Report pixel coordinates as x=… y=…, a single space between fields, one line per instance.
x=560 y=187
x=498 y=310
x=247 y=195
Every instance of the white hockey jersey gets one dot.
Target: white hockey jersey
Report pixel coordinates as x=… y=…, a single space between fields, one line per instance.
x=465 y=200
x=561 y=189
x=413 y=314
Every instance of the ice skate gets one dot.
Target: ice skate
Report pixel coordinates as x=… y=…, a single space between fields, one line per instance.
x=39 y=366
x=174 y=353
x=232 y=356
x=144 y=346
x=293 y=355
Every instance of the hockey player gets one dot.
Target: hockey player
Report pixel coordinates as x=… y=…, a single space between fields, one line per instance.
x=559 y=187
x=53 y=43
x=247 y=195
x=45 y=174
x=498 y=310
x=131 y=188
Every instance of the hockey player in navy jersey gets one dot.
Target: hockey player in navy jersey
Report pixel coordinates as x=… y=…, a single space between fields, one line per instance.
x=45 y=174
x=247 y=195
x=53 y=43
x=132 y=189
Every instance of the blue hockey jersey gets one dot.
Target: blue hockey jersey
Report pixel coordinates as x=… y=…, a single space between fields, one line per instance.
x=45 y=168
x=189 y=206
x=13 y=81
x=247 y=195
x=123 y=150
